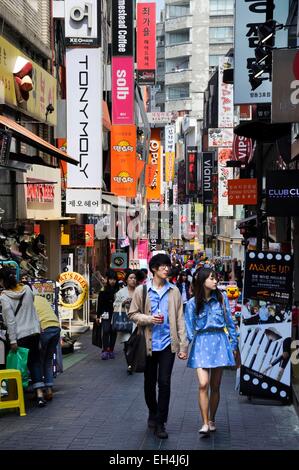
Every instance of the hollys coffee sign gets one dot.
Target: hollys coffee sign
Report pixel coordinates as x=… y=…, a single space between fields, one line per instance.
x=242 y=149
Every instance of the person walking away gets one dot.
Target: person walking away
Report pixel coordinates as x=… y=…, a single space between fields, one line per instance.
x=184 y=287
x=165 y=335
x=21 y=320
x=122 y=303
x=207 y=315
x=104 y=315
x=49 y=339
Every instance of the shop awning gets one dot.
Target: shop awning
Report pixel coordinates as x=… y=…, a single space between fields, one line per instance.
x=23 y=134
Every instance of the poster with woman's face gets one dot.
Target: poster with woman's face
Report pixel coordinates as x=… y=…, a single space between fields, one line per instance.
x=73 y=290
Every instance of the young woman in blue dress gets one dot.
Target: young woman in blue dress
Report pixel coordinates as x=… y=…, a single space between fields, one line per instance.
x=211 y=330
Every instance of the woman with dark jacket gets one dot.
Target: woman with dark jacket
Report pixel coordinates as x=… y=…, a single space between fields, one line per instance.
x=104 y=315
x=184 y=287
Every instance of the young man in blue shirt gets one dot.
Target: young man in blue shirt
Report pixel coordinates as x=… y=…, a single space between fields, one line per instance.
x=165 y=334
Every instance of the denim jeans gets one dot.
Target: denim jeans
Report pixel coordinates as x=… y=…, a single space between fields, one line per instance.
x=34 y=365
x=49 y=341
x=158 y=368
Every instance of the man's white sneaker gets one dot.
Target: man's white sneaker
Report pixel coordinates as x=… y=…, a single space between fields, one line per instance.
x=204 y=430
x=212 y=426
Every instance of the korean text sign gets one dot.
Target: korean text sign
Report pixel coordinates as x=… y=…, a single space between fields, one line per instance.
x=153 y=190
x=123 y=90
x=123 y=160
x=146 y=42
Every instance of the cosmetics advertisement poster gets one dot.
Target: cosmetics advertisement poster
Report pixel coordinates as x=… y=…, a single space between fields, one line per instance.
x=266 y=353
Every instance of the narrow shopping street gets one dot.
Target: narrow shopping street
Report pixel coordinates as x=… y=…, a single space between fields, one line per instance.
x=97 y=406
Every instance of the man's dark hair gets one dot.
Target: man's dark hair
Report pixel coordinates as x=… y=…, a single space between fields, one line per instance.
x=144 y=270
x=159 y=260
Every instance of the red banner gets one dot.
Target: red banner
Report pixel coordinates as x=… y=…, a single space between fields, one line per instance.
x=146 y=43
x=242 y=191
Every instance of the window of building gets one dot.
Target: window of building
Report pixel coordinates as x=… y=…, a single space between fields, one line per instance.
x=178 y=37
x=176 y=11
x=161 y=66
x=178 y=92
x=221 y=7
x=178 y=64
x=221 y=35
x=214 y=60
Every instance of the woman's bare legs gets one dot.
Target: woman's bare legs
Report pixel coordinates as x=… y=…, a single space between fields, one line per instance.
x=203 y=393
x=215 y=382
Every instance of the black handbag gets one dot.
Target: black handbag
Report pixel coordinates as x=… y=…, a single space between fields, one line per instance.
x=136 y=346
x=97 y=334
x=121 y=322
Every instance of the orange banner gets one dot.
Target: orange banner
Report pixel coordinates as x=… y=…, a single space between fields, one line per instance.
x=123 y=160
x=153 y=189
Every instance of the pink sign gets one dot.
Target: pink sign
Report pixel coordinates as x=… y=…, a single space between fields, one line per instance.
x=142 y=249
x=122 y=90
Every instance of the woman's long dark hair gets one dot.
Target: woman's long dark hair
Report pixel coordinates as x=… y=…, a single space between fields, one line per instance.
x=198 y=287
x=8 y=277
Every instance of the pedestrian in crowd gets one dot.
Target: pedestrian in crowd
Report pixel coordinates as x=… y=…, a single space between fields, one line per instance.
x=49 y=339
x=207 y=315
x=21 y=320
x=141 y=277
x=122 y=303
x=184 y=287
x=104 y=314
x=165 y=334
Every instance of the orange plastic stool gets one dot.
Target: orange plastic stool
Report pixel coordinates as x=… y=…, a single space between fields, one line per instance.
x=8 y=374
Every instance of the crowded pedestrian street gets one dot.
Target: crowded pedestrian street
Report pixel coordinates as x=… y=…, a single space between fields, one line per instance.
x=98 y=406
x=149 y=231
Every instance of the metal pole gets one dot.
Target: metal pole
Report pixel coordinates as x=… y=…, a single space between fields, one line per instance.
x=259 y=176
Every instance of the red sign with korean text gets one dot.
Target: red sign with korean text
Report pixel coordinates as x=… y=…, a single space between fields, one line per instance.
x=242 y=192
x=146 y=42
x=242 y=149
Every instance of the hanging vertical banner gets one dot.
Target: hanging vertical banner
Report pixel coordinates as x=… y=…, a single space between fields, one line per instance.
x=224 y=174
x=123 y=160
x=122 y=28
x=207 y=173
x=248 y=15
x=146 y=43
x=84 y=116
x=225 y=95
x=191 y=174
x=82 y=23
x=169 y=152
x=153 y=190
x=122 y=90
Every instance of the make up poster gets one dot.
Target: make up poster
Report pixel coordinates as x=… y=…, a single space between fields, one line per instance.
x=265 y=357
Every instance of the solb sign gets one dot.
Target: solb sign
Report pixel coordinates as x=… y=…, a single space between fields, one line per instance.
x=122 y=90
x=285 y=103
x=122 y=28
x=82 y=23
x=242 y=149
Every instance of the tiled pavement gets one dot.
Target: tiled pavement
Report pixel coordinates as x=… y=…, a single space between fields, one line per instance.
x=98 y=406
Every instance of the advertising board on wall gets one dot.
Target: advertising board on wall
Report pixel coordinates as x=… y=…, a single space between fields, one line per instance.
x=282 y=193
x=82 y=23
x=122 y=28
x=122 y=90
x=84 y=116
x=242 y=191
x=225 y=95
x=207 y=173
x=285 y=76
x=123 y=160
x=153 y=190
x=146 y=43
x=248 y=15
x=224 y=174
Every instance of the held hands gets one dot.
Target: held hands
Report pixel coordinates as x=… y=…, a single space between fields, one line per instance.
x=183 y=356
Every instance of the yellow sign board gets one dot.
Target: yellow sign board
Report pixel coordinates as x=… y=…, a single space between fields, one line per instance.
x=44 y=85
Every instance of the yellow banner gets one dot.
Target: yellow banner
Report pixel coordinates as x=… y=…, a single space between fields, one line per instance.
x=169 y=166
x=44 y=85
